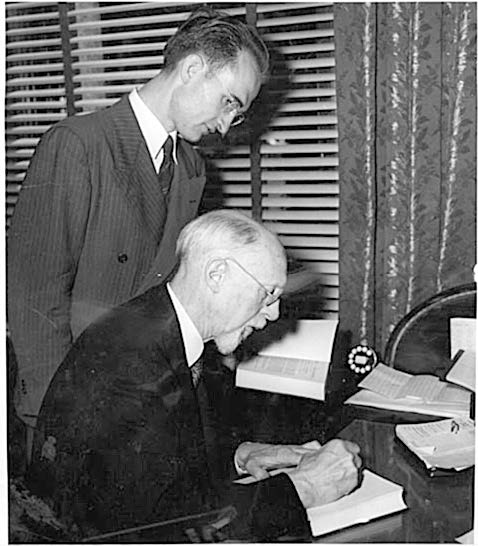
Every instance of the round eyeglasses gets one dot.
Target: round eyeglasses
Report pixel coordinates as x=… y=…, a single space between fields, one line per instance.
x=271 y=295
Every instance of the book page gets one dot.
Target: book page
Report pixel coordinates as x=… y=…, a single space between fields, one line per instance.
x=293 y=368
x=312 y=340
x=394 y=384
x=421 y=387
x=446 y=435
x=443 y=444
x=451 y=394
x=385 y=381
x=460 y=408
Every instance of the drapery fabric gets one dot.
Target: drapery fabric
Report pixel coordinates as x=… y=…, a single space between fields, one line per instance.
x=406 y=102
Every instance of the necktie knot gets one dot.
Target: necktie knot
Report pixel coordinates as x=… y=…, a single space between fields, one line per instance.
x=168 y=149
x=196 y=371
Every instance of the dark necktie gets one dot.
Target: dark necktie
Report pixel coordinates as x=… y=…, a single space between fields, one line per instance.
x=165 y=174
x=196 y=371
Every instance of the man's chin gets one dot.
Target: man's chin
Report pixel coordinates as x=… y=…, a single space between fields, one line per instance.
x=226 y=347
x=192 y=138
x=225 y=351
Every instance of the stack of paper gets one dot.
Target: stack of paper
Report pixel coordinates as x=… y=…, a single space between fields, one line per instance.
x=389 y=388
x=441 y=444
x=297 y=364
x=375 y=497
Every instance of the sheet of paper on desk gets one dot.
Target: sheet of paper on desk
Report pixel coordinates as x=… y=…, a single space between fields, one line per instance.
x=375 y=497
x=441 y=444
x=463 y=371
x=297 y=364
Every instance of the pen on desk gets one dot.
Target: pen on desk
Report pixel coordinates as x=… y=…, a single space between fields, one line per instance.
x=457 y=356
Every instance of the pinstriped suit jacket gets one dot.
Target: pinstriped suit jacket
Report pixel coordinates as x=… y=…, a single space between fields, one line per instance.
x=89 y=232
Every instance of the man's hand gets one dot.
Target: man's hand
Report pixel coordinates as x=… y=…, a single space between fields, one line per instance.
x=327 y=474
x=256 y=458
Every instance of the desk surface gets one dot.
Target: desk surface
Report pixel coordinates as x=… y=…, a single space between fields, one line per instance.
x=439 y=509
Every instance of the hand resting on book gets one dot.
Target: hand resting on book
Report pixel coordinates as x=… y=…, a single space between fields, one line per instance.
x=325 y=475
x=257 y=458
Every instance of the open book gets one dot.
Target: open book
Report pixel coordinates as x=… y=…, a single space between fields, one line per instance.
x=441 y=444
x=296 y=364
x=389 y=388
x=375 y=497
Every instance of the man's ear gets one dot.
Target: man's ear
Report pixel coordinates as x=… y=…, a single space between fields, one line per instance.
x=191 y=66
x=216 y=273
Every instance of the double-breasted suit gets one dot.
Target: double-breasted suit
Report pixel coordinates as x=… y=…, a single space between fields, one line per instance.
x=91 y=229
x=122 y=416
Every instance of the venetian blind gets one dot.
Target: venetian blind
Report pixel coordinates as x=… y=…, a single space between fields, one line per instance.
x=98 y=51
x=35 y=95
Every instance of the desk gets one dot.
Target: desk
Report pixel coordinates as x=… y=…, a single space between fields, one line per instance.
x=439 y=509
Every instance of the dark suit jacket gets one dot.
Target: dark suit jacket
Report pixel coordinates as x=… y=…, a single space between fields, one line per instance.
x=89 y=232
x=125 y=424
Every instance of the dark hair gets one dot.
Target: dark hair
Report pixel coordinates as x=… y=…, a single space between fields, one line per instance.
x=219 y=38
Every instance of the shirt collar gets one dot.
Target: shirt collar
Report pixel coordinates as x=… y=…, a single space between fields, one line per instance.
x=153 y=131
x=193 y=343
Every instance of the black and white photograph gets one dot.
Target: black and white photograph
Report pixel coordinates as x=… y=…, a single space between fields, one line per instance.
x=240 y=271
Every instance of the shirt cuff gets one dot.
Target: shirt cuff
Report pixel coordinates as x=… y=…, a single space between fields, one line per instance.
x=241 y=471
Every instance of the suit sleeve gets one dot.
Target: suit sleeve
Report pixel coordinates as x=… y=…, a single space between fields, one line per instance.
x=44 y=244
x=267 y=510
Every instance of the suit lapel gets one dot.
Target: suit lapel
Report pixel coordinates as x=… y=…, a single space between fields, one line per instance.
x=134 y=169
x=176 y=390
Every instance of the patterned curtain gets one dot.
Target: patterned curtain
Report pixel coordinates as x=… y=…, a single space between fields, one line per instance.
x=406 y=97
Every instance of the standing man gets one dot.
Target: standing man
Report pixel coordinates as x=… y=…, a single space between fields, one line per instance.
x=106 y=194
x=120 y=441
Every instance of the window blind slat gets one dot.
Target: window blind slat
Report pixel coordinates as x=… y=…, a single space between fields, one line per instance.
x=303 y=229
x=310 y=242
x=272 y=189
x=245 y=163
x=290 y=174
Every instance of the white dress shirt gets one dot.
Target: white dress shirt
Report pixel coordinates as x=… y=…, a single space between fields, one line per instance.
x=152 y=129
x=193 y=343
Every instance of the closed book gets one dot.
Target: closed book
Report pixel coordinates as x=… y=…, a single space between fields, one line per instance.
x=297 y=364
x=376 y=497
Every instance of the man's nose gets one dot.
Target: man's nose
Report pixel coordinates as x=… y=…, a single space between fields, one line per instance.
x=272 y=311
x=224 y=122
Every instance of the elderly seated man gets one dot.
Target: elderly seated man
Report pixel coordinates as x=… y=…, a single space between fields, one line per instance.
x=120 y=441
